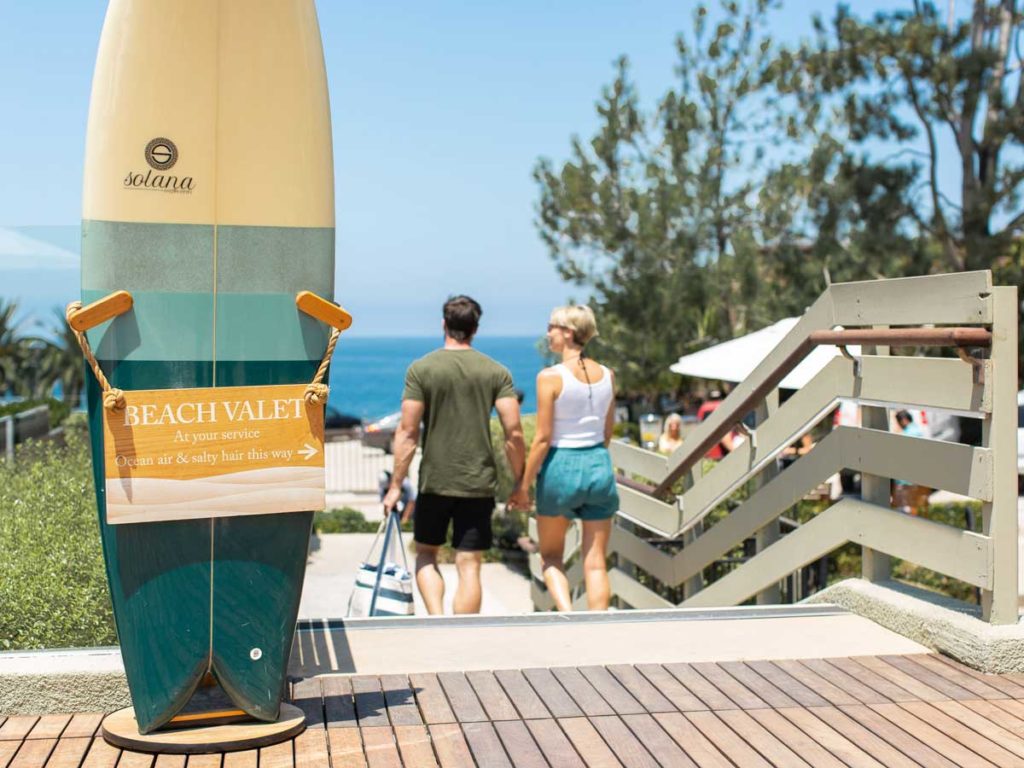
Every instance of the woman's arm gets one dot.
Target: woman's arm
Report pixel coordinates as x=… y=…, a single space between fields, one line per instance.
x=548 y=388
x=609 y=419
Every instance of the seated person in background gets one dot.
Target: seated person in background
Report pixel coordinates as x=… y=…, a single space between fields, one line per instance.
x=907 y=497
x=672 y=437
x=407 y=499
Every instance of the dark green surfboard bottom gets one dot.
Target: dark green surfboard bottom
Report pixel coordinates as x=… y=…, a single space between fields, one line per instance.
x=160 y=574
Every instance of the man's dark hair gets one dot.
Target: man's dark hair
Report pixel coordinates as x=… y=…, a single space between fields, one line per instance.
x=461 y=317
x=904 y=416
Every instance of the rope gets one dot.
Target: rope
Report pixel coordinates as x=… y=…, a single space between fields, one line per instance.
x=317 y=391
x=113 y=398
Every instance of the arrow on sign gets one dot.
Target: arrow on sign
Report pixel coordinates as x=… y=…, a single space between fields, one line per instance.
x=308 y=451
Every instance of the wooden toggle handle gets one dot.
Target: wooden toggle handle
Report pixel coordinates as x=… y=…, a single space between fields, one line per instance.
x=323 y=310
x=100 y=311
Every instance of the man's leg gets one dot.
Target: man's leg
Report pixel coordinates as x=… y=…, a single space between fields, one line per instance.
x=468 y=594
x=429 y=579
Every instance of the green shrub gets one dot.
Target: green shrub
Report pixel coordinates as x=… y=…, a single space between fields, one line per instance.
x=347 y=520
x=59 y=410
x=53 y=589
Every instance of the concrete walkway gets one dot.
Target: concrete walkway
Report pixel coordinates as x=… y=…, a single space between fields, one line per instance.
x=331 y=571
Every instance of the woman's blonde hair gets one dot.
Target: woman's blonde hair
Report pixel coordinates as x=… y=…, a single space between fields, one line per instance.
x=579 y=319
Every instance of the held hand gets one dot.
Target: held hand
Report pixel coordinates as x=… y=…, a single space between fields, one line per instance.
x=520 y=499
x=391 y=499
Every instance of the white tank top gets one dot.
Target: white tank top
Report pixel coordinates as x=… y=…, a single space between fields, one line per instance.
x=581 y=410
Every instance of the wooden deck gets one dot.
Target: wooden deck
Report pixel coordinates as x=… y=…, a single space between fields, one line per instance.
x=866 y=711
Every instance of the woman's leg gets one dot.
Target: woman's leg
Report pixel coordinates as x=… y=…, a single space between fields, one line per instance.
x=551 y=532
x=595 y=566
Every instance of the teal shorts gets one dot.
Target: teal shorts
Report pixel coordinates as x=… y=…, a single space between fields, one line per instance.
x=577 y=483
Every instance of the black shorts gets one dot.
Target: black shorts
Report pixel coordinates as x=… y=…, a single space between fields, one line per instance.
x=472 y=521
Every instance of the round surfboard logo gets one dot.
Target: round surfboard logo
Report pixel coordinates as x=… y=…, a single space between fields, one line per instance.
x=161 y=154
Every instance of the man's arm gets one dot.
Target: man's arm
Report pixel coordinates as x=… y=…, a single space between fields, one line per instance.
x=407 y=437
x=515 y=446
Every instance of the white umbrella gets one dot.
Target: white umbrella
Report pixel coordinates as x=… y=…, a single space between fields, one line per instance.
x=736 y=359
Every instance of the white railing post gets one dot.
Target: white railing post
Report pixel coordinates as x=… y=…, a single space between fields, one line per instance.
x=999 y=517
x=771 y=533
x=875 y=566
x=9 y=438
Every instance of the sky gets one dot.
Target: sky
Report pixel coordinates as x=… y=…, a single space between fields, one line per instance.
x=440 y=110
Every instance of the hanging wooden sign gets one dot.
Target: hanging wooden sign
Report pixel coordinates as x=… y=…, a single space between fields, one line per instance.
x=183 y=454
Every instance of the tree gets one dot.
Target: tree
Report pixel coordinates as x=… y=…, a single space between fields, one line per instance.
x=653 y=215
x=12 y=347
x=58 y=358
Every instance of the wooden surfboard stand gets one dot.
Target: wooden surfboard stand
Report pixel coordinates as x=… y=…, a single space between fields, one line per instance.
x=120 y=730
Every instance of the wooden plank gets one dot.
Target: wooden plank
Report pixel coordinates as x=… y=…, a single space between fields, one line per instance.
x=924 y=732
x=380 y=747
x=885 y=687
x=276 y=756
x=658 y=742
x=839 y=745
x=523 y=697
x=640 y=688
x=582 y=692
x=431 y=699
x=873 y=733
x=248 y=758
x=668 y=686
x=69 y=752
x=979 y=688
x=414 y=746
x=449 y=745
x=83 y=724
x=339 y=704
x=308 y=697
x=993 y=713
x=131 y=759
x=557 y=701
x=787 y=684
x=1012 y=706
x=33 y=753
x=963 y=734
x=311 y=750
x=17 y=728
x=178 y=761
x=789 y=734
x=697 y=746
x=485 y=745
x=612 y=691
x=929 y=678
x=738 y=693
x=765 y=690
x=101 y=755
x=705 y=691
x=833 y=694
x=899 y=677
x=346 y=748
x=557 y=749
x=7 y=751
x=465 y=704
x=495 y=701
x=588 y=743
x=731 y=745
x=623 y=743
x=371 y=709
x=760 y=738
x=1000 y=682
x=989 y=728
x=204 y=761
x=519 y=744
x=49 y=727
x=400 y=700
x=845 y=682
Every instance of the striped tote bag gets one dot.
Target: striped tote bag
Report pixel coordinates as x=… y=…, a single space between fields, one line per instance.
x=383 y=587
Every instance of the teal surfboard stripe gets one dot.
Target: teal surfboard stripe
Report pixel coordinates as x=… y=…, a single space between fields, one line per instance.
x=133 y=257
x=170 y=326
x=257 y=578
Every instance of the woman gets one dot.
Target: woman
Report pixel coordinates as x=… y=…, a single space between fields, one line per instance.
x=672 y=437
x=569 y=458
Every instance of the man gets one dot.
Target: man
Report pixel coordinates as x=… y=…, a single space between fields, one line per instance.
x=452 y=391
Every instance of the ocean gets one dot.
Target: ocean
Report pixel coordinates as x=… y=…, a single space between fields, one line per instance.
x=367 y=374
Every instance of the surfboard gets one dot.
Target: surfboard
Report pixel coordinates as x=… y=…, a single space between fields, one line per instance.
x=209 y=195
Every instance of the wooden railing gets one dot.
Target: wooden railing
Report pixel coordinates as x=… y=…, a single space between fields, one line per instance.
x=672 y=496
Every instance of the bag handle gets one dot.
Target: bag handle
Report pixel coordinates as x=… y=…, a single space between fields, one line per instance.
x=391 y=519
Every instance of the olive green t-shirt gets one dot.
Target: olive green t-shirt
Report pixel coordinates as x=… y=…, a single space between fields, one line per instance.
x=458 y=388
